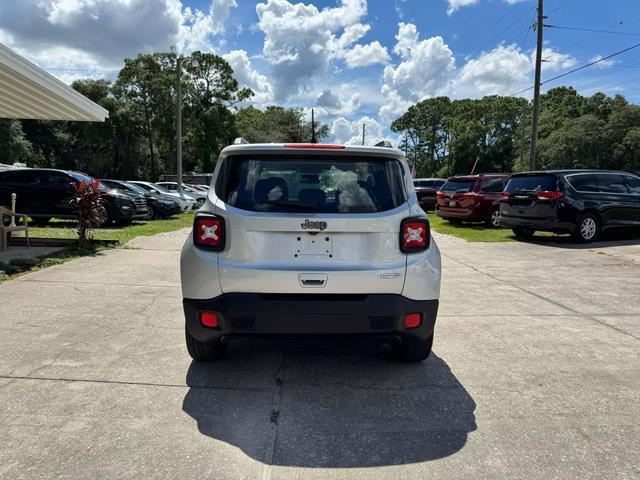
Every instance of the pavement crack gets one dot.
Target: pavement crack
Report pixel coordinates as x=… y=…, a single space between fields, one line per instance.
x=274 y=417
x=131 y=383
x=541 y=297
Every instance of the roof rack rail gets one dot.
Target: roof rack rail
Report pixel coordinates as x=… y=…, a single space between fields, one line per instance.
x=384 y=143
x=240 y=141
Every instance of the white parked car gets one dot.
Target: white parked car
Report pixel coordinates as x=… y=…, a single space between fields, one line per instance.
x=199 y=195
x=311 y=240
x=187 y=202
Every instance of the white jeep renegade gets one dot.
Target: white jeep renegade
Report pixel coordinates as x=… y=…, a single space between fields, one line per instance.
x=327 y=241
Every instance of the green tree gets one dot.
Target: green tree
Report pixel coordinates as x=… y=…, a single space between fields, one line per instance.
x=276 y=124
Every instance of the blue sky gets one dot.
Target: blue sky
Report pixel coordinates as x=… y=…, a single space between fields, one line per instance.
x=355 y=61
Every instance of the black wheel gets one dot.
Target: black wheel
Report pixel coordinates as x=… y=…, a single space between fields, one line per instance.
x=204 y=352
x=494 y=219
x=413 y=349
x=40 y=220
x=151 y=213
x=587 y=229
x=524 y=233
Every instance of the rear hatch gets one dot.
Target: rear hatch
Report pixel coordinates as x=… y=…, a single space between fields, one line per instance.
x=459 y=193
x=312 y=224
x=531 y=196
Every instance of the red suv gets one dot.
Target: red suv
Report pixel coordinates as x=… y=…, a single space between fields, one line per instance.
x=473 y=198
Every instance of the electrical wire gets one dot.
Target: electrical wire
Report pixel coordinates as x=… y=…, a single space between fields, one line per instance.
x=581 y=68
x=593 y=30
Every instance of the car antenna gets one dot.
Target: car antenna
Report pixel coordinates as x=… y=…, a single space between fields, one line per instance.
x=313 y=128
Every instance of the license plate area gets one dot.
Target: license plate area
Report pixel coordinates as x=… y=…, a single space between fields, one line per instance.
x=313 y=245
x=452 y=203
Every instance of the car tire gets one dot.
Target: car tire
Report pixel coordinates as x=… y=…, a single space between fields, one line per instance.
x=204 y=352
x=413 y=349
x=587 y=229
x=40 y=221
x=524 y=233
x=151 y=215
x=494 y=219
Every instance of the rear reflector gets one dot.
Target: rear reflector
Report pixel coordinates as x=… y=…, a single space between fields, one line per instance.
x=209 y=319
x=208 y=232
x=414 y=235
x=318 y=146
x=412 y=320
x=545 y=195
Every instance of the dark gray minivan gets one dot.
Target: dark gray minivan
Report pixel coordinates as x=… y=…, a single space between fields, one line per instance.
x=580 y=202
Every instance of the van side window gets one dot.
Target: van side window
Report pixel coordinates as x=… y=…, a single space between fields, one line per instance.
x=634 y=184
x=611 y=183
x=584 y=182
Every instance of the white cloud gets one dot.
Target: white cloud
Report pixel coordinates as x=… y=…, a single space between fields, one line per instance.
x=96 y=35
x=496 y=72
x=301 y=40
x=604 y=64
x=338 y=102
x=349 y=132
x=364 y=55
x=455 y=5
x=425 y=69
x=247 y=76
x=554 y=60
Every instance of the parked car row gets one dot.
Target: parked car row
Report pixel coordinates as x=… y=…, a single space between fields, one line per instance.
x=583 y=203
x=43 y=194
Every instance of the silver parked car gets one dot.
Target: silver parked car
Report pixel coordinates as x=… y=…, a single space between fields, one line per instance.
x=311 y=240
x=199 y=195
x=187 y=202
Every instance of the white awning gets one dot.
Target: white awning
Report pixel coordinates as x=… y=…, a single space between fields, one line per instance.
x=28 y=92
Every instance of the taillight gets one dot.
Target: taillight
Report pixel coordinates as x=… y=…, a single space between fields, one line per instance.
x=414 y=235
x=505 y=195
x=440 y=194
x=209 y=319
x=208 y=232
x=546 y=195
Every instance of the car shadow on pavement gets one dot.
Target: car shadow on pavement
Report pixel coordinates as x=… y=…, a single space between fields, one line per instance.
x=330 y=406
x=607 y=239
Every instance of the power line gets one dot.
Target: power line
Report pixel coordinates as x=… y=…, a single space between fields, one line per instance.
x=559 y=7
x=581 y=67
x=508 y=12
x=593 y=30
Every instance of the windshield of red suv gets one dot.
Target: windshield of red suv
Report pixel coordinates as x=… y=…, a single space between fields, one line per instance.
x=325 y=185
x=458 y=185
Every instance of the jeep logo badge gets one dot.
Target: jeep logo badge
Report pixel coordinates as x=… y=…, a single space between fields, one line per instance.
x=309 y=225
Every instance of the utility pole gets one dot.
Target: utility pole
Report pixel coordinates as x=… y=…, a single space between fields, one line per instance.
x=179 y=123
x=313 y=127
x=364 y=129
x=536 y=87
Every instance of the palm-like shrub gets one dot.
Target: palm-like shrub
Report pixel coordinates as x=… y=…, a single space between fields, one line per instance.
x=86 y=199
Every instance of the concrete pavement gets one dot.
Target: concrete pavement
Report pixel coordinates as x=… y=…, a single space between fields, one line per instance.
x=534 y=375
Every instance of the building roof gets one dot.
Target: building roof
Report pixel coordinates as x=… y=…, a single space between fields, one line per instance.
x=28 y=92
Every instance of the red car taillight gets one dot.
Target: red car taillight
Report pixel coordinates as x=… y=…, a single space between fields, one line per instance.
x=414 y=235
x=208 y=232
x=440 y=194
x=505 y=195
x=546 y=195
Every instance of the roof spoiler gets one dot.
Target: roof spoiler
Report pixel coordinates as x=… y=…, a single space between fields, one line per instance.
x=240 y=141
x=384 y=144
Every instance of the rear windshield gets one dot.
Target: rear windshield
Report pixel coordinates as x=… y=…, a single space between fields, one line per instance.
x=324 y=185
x=532 y=183
x=460 y=185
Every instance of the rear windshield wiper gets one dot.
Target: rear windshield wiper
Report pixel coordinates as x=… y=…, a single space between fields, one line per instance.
x=292 y=204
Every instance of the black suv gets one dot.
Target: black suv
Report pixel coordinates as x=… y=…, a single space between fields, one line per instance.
x=580 y=202
x=160 y=206
x=44 y=193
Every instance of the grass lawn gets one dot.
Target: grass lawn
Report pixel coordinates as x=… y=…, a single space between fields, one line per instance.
x=67 y=229
x=474 y=232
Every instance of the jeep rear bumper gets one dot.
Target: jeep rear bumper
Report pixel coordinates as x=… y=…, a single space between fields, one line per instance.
x=253 y=314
